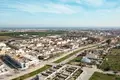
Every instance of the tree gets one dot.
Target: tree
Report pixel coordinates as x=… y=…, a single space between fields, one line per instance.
x=108 y=41
x=107 y=68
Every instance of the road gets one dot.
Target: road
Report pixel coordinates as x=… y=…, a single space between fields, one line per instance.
x=87 y=73
x=74 y=56
x=41 y=64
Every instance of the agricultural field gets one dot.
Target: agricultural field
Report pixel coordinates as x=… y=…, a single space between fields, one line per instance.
x=15 y=34
x=4 y=38
x=25 y=35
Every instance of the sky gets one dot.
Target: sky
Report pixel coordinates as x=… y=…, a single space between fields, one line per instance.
x=59 y=13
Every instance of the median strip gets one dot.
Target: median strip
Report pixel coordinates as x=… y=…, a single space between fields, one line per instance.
x=69 y=55
x=33 y=73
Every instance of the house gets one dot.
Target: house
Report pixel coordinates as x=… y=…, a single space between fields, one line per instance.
x=85 y=60
x=2 y=44
x=92 y=56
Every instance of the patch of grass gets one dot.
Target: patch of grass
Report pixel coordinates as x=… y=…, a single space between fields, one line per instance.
x=33 y=73
x=101 y=76
x=77 y=59
x=112 y=60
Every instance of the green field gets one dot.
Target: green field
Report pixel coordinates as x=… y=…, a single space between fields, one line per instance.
x=31 y=33
x=112 y=61
x=16 y=35
x=101 y=76
x=33 y=73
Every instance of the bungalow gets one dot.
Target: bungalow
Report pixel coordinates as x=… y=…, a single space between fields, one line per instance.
x=92 y=56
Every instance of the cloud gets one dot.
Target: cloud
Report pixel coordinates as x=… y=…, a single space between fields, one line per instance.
x=86 y=2
x=94 y=2
x=59 y=6
x=71 y=1
x=46 y=7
